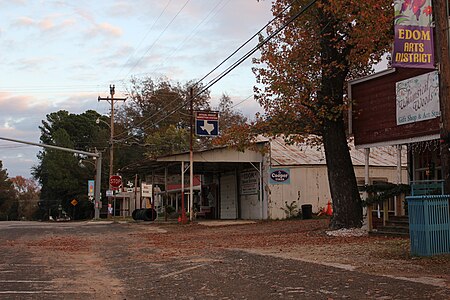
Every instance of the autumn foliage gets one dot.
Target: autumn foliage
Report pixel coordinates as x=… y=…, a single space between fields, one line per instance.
x=302 y=75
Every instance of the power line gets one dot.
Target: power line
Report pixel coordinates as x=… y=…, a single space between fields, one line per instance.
x=145 y=36
x=242 y=101
x=245 y=43
x=157 y=39
x=252 y=51
x=240 y=60
x=191 y=34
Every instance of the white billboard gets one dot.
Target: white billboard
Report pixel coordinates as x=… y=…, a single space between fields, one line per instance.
x=147 y=190
x=417 y=98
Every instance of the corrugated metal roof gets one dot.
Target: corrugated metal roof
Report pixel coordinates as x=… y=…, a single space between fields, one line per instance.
x=283 y=154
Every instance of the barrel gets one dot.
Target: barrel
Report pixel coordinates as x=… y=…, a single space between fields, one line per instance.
x=144 y=214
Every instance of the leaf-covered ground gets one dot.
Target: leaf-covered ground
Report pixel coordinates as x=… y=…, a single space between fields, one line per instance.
x=295 y=239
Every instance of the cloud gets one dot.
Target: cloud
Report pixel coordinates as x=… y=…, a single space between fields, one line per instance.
x=32 y=64
x=46 y=24
x=105 y=30
x=24 y=22
x=55 y=23
x=122 y=8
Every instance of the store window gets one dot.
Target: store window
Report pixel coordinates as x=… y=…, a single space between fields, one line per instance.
x=426 y=161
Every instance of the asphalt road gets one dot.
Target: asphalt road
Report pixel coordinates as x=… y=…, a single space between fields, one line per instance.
x=119 y=261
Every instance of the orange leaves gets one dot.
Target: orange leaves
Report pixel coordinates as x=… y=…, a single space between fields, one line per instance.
x=333 y=39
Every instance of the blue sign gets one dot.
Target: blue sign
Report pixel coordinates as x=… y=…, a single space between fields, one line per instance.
x=279 y=176
x=207 y=123
x=91 y=186
x=207 y=128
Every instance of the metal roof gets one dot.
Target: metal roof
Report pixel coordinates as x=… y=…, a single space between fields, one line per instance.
x=283 y=154
x=222 y=159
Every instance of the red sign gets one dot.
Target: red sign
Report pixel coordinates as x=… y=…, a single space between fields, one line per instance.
x=115 y=181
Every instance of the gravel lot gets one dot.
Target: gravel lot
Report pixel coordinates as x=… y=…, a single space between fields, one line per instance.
x=262 y=260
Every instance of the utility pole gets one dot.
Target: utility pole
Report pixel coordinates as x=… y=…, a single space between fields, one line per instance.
x=111 y=137
x=441 y=18
x=191 y=154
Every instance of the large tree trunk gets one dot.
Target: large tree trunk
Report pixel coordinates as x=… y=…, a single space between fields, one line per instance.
x=347 y=207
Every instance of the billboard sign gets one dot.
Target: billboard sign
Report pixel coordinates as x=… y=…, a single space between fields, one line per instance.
x=413 y=41
x=279 y=176
x=417 y=98
x=206 y=123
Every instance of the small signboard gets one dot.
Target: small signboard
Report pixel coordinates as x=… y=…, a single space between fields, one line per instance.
x=146 y=190
x=249 y=183
x=206 y=123
x=91 y=186
x=279 y=176
x=115 y=181
x=74 y=202
x=418 y=98
x=109 y=193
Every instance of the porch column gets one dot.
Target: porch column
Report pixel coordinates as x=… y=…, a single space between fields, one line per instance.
x=399 y=209
x=367 y=182
x=261 y=189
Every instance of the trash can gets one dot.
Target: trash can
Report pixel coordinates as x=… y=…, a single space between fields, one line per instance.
x=429 y=224
x=307 y=211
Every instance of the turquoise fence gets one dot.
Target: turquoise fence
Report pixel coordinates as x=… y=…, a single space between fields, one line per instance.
x=429 y=224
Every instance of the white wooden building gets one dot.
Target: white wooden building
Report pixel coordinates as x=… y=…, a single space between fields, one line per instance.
x=231 y=179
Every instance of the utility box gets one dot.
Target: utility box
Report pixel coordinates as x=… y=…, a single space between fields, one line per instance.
x=307 y=211
x=429 y=224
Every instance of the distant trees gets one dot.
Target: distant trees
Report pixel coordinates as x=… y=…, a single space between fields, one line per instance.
x=27 y=196
x=8 y=205
x=155 y=119
x=18 y=197
x=61 y=175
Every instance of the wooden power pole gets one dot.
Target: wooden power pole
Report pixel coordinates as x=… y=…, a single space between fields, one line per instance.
x=441 y=18
x=111 y=137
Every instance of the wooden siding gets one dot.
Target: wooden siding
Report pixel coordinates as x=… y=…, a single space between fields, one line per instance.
x=374 y=111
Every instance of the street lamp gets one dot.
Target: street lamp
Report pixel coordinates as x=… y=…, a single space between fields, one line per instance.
x=104 y=122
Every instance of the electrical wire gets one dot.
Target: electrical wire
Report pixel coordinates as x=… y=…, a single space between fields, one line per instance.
x=157 y=39
x=246 y=42
x=252 y=51
x=145 y=36
x=242 y=101
x=191 y=34
x=240 y=60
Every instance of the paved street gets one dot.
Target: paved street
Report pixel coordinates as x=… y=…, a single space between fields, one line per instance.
x=145 y=261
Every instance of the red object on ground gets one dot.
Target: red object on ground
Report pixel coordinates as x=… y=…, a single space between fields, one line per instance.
x=328 y=210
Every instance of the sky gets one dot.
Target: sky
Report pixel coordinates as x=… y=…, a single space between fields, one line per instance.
x=62 y=55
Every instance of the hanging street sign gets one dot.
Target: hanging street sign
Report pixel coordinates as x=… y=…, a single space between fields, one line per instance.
x=206 y=123
x=91 y=186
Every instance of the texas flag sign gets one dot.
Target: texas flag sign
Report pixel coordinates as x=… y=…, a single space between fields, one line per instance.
x=206 y=123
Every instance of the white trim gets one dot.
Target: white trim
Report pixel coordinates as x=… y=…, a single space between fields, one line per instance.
x=400 y=142
x=371 y=76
